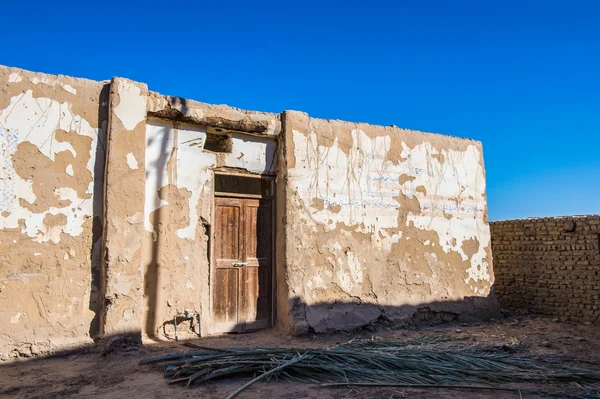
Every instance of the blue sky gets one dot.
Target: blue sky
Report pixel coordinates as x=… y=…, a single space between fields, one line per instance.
x=523 y=76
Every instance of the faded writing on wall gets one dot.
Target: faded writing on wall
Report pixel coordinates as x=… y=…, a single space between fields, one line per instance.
x=366 y=190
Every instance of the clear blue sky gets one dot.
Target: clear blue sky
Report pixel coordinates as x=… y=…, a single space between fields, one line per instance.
x=521 y=76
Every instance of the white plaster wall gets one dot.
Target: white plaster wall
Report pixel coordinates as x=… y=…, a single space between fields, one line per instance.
x=36 y=120
x=193 y=165
x=359 y=188
x=254 y=155
x=130 y=110
x=357 y=182
x=159 y=147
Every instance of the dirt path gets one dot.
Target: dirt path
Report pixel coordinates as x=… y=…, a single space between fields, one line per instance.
x=117 y=375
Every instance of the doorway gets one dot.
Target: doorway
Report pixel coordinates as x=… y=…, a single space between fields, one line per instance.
x=243 y=254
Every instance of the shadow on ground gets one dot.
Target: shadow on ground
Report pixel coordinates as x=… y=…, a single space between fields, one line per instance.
x=113 y=371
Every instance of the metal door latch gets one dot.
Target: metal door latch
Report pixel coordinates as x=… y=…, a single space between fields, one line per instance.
x=239 y=264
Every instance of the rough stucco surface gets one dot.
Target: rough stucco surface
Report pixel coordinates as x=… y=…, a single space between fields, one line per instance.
x=381 y=221
x=52 y=132
x=178 y=208
x=123 y=291
x=371 y=221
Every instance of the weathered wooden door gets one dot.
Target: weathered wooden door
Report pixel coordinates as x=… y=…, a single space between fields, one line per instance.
x=242 y=281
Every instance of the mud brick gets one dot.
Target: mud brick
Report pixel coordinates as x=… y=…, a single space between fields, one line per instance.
x=557 y=270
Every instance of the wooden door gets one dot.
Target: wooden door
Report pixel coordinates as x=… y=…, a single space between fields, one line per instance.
x=255 y=298
x=242 y=281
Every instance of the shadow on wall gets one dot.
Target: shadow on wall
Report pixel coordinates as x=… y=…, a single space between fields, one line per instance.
x=98 y=212
x=320 y=318
x=331 y=317
x=339 y=316
x=378 y=319
x=159 y=220
x=152 y=269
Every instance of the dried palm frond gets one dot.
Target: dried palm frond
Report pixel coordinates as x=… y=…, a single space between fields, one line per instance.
x=428 y=362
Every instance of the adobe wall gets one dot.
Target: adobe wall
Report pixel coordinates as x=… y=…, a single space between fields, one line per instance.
x=73 y=269
x=178 y=217
x=52 y=146
x=106 y=197
x=549 y=266
x=381 y=221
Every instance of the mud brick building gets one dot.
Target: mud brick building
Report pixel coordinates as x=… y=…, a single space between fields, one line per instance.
x=549 y=266
x=122 y=209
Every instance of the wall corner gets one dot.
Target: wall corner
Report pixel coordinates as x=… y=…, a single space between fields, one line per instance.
x=123 y=288
x=291 y=318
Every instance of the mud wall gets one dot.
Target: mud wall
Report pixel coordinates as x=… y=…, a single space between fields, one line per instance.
x=106 y=209
x=178 y=215
x=549 y=266
x=73 y=269
x=380 y=221
x=52 y=131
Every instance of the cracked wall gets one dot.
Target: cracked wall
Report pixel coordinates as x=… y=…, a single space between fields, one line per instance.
x=370 y=221
x=52 y=131
x=178 y=213
x=123 y=310
x=384 y=217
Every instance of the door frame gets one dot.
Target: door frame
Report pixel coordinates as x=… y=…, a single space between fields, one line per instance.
x=211 y=247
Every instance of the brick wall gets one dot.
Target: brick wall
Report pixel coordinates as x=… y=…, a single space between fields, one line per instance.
x=549 y=266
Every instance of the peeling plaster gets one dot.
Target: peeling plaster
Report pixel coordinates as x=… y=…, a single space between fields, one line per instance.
x=362 y=189
x=193 y=166
x=50 y=224
x=179 y=197
x=52 y=82
x=256 y=156
x=14 y=78
x=349 y=273
x=356 y=208
x=159 y=145
x=130 y=110
x=193 y=173
x=361 y=182
x=121 y=285
x=70 y=89
x=124 y=278
x=35 y=121
x=131 y=161
x=16 y=318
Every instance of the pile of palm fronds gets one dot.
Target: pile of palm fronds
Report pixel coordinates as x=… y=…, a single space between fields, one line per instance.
x=428 y=362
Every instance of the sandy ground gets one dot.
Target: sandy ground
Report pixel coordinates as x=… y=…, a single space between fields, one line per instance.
x=117 y=375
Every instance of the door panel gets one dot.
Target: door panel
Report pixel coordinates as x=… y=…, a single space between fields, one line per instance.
x=259 y=316
x=242 y=294
x=248 y=294
x=228 y=227
x=228 y=251
x=255 y=310
x=225 y=308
